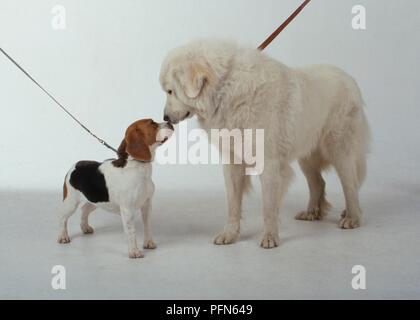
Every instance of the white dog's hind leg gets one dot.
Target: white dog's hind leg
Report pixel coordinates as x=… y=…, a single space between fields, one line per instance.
x=148 y=239
x=346 y=168
x=87 y=209
x=274 y=182
x=346 y=148
x=318 y=205
x=236 y=183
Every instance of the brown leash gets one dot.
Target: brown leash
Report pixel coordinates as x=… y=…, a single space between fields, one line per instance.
x=283 y=26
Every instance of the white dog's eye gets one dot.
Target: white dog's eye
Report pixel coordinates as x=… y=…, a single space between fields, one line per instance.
x=169 y=92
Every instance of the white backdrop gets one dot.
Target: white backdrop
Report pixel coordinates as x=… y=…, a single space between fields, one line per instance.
x=104 y=66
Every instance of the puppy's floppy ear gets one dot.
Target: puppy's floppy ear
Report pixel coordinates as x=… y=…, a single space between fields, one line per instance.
x=192 y=78
x=136 y=147
x=122 y=155
x=121 y=149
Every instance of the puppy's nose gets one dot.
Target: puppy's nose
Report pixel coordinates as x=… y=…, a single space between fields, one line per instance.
x=166 y=118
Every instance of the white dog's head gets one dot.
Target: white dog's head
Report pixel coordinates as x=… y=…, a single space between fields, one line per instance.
x=190 y=76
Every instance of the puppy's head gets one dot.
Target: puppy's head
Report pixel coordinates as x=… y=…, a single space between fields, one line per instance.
x=190 y=76
x=141 y=140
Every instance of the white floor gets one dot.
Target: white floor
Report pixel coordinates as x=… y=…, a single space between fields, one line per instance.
x=314 y=260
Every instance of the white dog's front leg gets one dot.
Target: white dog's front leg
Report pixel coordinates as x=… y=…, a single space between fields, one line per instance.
x=235 y=181
x=148 y=239
x=127 y=217
x=274 y=182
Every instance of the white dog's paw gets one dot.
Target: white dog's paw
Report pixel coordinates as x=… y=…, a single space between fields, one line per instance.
x=63 y=238
x=347 y=222
x=86 y=229
x=149 y=244
x=270 y=240
x=317 y=212
x=135 y=253
x=310 y=215
x=226 y=238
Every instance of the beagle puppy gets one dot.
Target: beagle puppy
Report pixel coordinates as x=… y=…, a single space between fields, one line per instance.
x=123 y=186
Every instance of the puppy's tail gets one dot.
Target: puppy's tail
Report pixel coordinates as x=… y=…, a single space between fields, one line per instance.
x=65 y=189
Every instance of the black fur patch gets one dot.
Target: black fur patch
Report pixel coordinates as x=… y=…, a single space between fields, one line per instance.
x=87 y=178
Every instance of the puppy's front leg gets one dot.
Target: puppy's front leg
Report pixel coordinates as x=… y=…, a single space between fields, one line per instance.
x=235 y=181
x=127 y=217
x=274 y=182
x=148 y=239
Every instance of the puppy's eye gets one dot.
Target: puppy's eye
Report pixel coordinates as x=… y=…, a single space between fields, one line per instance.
x=169 y=92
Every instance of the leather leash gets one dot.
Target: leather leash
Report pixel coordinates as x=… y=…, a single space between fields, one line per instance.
x=283 y=26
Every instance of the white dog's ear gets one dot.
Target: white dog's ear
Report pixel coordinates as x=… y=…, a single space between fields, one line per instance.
x=192 y=79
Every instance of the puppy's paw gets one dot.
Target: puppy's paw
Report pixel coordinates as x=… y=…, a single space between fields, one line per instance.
x=63 y=238
x=149 y=244
x=86 y=229
x=309 y=215
x=135 y=253
x=347 y=222
x=270 y=240
x=226 y=238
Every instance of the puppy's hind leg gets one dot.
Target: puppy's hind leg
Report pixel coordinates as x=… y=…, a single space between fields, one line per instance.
x=318 y=205
x=70 y=203
x=87 y=209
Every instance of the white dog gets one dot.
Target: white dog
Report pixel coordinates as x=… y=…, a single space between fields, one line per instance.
x=312 y=114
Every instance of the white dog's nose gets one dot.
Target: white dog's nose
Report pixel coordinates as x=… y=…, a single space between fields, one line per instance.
x=170 y=126
x=170 y=120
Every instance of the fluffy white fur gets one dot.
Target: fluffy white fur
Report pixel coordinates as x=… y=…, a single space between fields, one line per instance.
x=313 y=114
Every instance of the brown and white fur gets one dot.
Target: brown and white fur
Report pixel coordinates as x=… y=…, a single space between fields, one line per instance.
x=314 y=115
x=123 y=186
